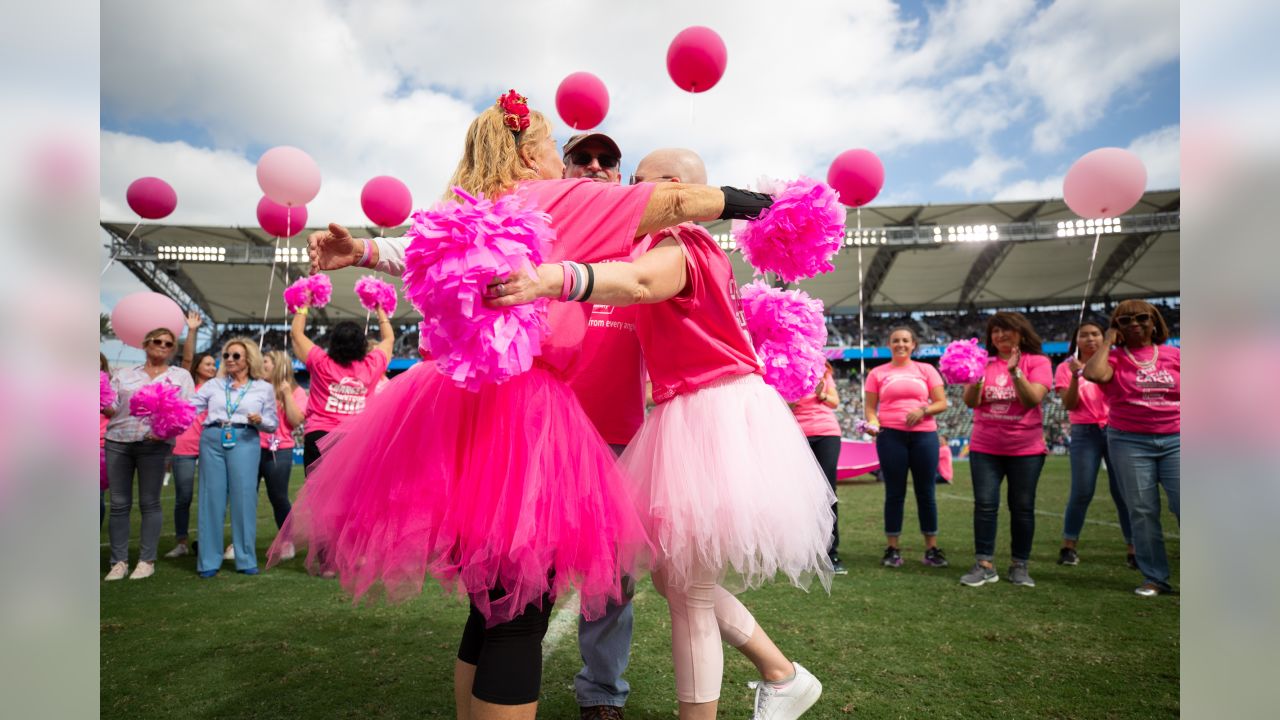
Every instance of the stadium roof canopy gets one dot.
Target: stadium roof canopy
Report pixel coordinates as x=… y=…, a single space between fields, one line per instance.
x=914 y=258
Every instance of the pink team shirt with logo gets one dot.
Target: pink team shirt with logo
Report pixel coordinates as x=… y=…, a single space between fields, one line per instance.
x=283 y=436
x=1001 y=425
x=700 y=335
x=1092 y=409
x=815 y=417
x=337 y=393
x=188 y=443
x=1146 y=400
x=901 y=390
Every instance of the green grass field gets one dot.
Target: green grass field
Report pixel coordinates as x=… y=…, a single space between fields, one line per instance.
x=904 y=643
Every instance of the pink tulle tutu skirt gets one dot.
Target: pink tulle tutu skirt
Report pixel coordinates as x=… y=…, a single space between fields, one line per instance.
x=510 y=487
x=725 y=479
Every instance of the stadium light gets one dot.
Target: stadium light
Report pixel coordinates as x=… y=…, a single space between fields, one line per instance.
x=968 y=233
x=865 y=237
x=192 y=253
x=1074 y=228
x=291 y=255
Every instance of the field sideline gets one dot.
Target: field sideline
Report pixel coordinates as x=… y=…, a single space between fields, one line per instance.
x=904 y=643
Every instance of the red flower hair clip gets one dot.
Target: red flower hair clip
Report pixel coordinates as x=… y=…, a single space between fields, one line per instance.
x=515 y=108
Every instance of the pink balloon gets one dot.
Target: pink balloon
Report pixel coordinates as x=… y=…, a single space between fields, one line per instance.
x=582 y=100
x=857 y=175
x=288 y=175
x=696 y=59
x=151 y=197
x=141 y=312
x=280 y=221
x=386 y=201
x=1106 y=182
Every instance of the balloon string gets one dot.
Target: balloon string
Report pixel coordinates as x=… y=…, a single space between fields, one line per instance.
x=112 y=259
x=862 y=333
x=1089 y=278
x=271 y=281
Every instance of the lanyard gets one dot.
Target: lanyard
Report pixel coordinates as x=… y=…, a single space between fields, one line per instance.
x=231 y=408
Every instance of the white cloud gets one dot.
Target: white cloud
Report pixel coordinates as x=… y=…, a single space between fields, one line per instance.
x=982 y=175
x=1159 y=151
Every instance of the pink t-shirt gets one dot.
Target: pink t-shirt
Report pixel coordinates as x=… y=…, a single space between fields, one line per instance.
x=188 y=443
x=283 y=436
x=1092 y=409
x=815 y=417
x=1146 y=400
x=337 y=393
x=593 y=221
x=700 y=335
x=901 y=390
x=1001 y=425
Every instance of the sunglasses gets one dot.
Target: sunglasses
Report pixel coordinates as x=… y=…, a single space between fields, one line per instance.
x=231 y=356
x=162 y=343
x=583 y=159
x=1126 y=320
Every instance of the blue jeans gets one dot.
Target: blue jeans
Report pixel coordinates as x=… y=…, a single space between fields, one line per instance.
x=1143 y=463
x=1023 y=472
x=228 y=473
x=605 y=644
x=1088 y=452
x=184 y=485
x=900 y=451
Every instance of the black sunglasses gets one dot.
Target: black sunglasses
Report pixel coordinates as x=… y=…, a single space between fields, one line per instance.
x=1140 y=318
x=583 y=159
x=231 y=356
x=162 y=343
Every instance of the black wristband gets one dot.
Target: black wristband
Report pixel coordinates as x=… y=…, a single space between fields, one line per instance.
x=591 y=283
x=743 y=204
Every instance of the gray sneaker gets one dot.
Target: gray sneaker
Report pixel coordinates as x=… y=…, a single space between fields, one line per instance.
x=1018 y=575
x=979 y=576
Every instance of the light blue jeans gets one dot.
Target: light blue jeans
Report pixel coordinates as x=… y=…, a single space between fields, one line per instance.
x=1143 y=463
x=605 y=644
x=228 y=473
x=1088 y=452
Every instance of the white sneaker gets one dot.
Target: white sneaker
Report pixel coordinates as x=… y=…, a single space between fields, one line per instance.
x=118 y=571
x=287 y=551
x=178 y=551
x=143 y=570
x=790 y=702
x=229 y=553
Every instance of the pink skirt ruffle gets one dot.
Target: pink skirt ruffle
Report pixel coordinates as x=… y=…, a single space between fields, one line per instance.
x=510 y=487
x=725 y=480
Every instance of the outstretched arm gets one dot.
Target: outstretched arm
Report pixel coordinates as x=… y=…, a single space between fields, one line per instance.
x=657 y=275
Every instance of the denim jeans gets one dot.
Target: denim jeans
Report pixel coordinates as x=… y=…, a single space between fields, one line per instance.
x=1023 y=472
x=900 y=451
x=146 y=458
x=1088 y=452
x=228 y=475
x=826 y=450
x=1143 y=463
x=184 y=485
x=274 y=466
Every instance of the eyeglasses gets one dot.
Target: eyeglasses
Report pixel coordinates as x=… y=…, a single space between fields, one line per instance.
x=162 y=343
x=636 y=179
x=1126 y=320
x=583 y=159
x=231 y=356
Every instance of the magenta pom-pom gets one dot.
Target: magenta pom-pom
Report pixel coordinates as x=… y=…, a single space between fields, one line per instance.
x=308 y=291
x=963 y=362
x=788 y=331
x=163 y=404
x=375 y=293
x=796 y=237
x=455 y=250
x=106 y=396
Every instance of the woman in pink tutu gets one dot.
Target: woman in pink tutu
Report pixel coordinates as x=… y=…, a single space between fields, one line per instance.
x=722 y=475
x=507 y=495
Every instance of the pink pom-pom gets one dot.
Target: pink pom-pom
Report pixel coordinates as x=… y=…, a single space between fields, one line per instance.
x=308 y=291
x=375 y=293
x=788 y=331
x=163 y=403
x=963 y=362
x=861 y=426
x=455 y=250
x=796 y=237
x=106 y=395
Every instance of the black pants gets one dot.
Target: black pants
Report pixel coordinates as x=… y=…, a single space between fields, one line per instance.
x=826 y=448
x=508 y=656
x=274 y=467
x=310 y=449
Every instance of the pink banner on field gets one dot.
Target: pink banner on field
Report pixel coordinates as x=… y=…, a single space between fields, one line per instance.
x=856 y=458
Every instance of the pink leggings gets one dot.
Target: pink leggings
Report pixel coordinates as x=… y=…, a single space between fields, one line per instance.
x=701 y=617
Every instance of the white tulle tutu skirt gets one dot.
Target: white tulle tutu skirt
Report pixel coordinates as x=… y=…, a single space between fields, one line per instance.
x=724 y=479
